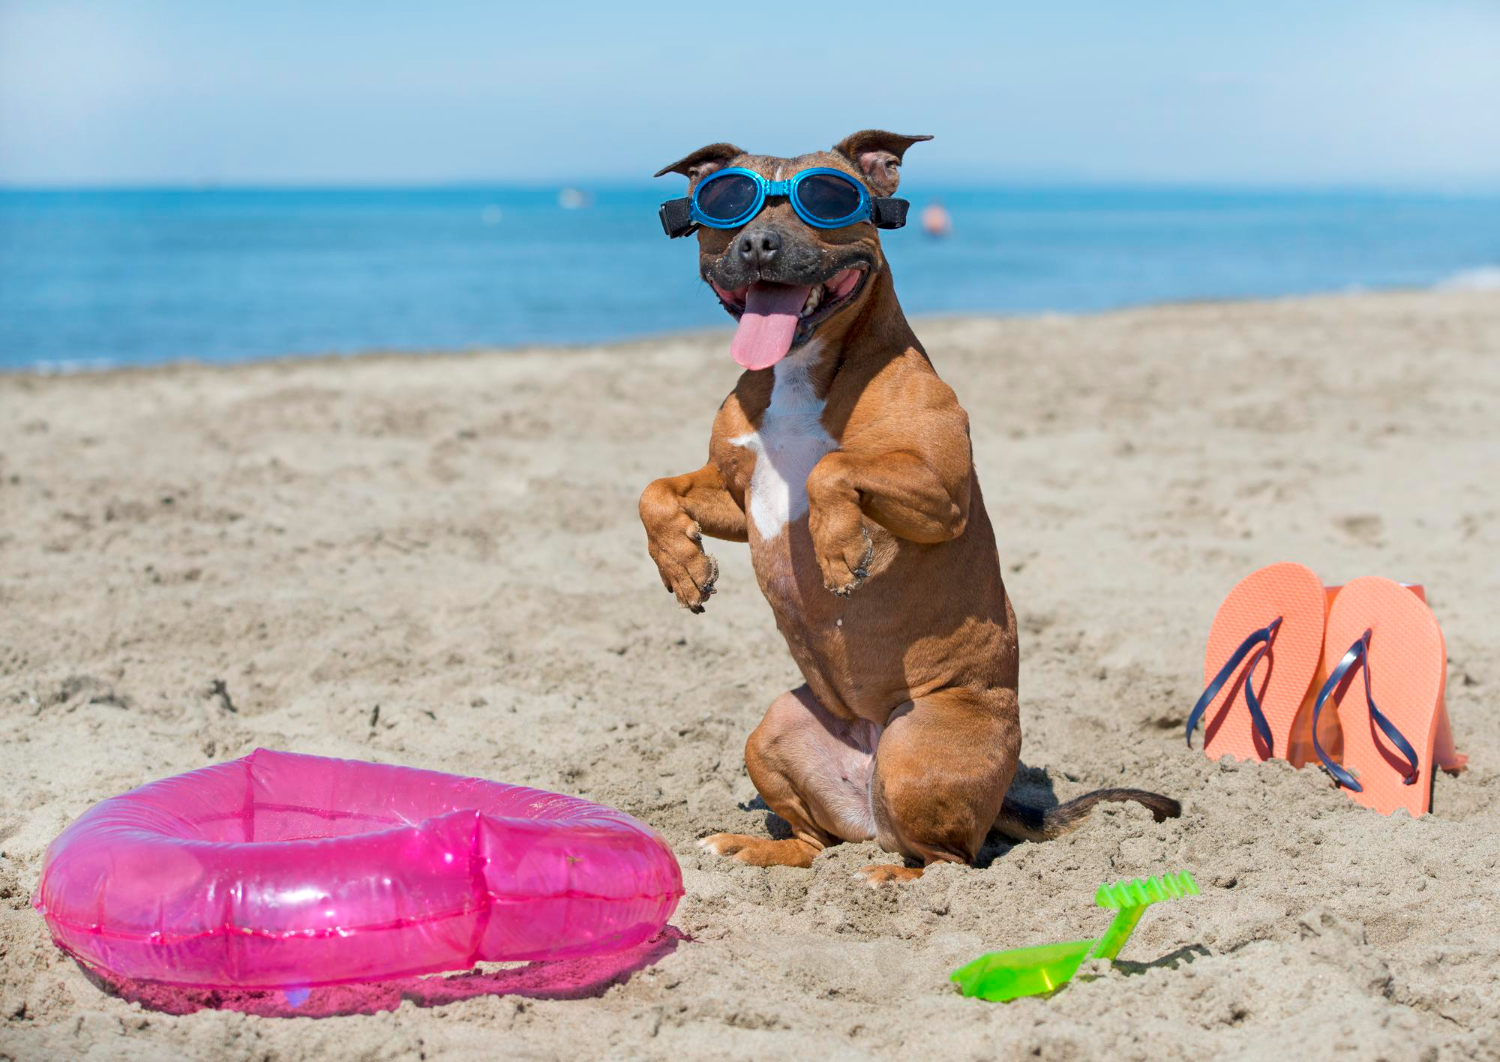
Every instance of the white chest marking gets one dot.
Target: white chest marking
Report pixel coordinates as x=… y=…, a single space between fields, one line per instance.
x=788 y=443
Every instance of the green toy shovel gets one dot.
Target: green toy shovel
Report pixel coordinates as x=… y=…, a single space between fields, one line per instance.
x=1003 y=975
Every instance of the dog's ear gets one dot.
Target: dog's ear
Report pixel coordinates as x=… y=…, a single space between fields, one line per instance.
x=702 y=162
x=878 y=155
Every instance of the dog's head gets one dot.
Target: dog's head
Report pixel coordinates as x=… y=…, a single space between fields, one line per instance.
x=784 y=280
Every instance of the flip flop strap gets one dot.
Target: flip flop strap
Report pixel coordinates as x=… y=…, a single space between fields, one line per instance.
x=1252 y=701
x=1358 y=656
x=1256 y=715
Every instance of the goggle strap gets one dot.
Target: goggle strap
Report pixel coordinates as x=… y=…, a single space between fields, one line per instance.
x=677 y=217
x=889 y=213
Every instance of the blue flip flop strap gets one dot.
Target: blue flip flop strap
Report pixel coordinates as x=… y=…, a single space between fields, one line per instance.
x=1256 y=715
x=1359 y=656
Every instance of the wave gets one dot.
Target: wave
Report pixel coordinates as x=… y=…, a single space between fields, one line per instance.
x=1481 y=278
x=67 y=366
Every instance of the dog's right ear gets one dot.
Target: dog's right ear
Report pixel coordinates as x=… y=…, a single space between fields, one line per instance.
x=878 y=154
x=702 y=162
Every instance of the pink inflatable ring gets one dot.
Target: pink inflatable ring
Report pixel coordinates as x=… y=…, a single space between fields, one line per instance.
x=287 y=871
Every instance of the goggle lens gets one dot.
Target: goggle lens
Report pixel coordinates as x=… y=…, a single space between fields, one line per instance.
x=728 y=197
x=826 y=197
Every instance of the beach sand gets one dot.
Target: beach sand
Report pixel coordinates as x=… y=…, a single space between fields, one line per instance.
x=436 y=561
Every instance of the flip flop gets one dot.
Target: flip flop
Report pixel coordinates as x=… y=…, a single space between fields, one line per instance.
x=1275 y=618
x=1300 y=751
x=1385 y=637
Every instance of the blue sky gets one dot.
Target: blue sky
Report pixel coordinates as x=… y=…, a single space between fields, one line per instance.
x=1314 y=91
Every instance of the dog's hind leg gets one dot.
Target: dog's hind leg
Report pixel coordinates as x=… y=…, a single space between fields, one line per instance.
x=941 y=770
x=813 y=769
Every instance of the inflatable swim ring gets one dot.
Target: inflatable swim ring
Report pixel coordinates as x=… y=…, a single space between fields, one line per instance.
x=285 y=871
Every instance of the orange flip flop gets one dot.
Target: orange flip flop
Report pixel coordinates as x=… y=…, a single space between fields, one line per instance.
x=1385 y=632
x=1274 y=617
x=1299 y=751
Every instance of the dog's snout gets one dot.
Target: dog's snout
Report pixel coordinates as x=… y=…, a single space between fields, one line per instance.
x=758 y=247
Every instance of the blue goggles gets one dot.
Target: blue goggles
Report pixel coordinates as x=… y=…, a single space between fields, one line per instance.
x=825 y=198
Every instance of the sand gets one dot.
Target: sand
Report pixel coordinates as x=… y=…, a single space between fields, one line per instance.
x=436 y=561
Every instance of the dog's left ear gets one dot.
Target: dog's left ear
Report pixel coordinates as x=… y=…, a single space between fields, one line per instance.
x=878 y=155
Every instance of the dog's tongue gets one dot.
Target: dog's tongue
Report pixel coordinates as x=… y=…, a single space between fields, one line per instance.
x=768 y=324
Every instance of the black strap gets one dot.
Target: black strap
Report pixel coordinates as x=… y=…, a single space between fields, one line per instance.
x=889 y=213
x=677 y=217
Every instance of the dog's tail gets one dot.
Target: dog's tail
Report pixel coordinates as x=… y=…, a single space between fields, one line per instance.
x=1035 y=824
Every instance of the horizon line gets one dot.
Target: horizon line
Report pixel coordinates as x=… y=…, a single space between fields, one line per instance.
x=1432 y=186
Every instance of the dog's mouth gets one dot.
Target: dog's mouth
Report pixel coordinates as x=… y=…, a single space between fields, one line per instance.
x=774 y=318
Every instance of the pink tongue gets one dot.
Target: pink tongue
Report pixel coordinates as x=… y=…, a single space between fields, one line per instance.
x=768 y=324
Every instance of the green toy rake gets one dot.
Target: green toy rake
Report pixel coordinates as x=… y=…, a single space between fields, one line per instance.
x=1003 y=975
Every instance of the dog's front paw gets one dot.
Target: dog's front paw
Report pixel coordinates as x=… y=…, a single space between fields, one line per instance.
x=842 y=545
x=686 y=570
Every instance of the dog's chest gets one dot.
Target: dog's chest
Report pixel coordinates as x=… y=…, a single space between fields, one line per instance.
x=787 y=443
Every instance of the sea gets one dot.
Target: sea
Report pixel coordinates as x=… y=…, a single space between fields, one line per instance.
x=99 y=278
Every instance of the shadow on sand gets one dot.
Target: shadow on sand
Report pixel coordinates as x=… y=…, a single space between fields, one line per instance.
x=1170 y=961
x=1031 y=785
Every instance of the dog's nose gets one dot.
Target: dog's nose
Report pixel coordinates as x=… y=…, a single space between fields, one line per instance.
x=759 y=246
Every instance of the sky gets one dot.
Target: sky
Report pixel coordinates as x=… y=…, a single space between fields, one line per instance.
x=1310 y=92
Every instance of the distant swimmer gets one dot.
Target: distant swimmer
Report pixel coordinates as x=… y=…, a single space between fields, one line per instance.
x=935 y=220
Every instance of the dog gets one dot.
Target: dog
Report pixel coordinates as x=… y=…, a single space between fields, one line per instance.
x=846 y=464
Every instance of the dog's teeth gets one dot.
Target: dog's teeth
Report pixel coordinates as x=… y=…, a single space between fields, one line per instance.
x=813 y=298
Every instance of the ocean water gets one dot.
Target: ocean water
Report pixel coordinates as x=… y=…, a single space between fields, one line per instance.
x=92 y=278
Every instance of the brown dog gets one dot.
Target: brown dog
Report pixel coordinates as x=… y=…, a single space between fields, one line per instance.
x=845 y=463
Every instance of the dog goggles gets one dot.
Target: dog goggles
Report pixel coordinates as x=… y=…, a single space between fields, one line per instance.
x=824 y=198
